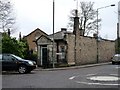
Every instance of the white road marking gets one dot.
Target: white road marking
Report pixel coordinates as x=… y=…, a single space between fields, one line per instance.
x=87 y=83
x=111 y=84
x=72 y=77
x=104 y=78
x=114 y=74
x=95 y=77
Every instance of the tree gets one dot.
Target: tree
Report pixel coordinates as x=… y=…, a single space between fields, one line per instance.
x=13 y=46
x=87 y=18
x=17 y=47
x=9 y=44
x=24 y=48
x=7 y=19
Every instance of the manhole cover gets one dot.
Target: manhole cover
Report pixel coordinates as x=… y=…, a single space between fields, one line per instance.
x=104 y=78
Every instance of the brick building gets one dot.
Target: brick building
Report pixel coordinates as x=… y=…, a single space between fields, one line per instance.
x=32 y=37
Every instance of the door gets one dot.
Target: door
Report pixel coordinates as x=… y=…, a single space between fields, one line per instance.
x=44 y=57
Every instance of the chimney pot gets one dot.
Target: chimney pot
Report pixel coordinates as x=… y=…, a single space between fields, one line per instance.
x=63 y=29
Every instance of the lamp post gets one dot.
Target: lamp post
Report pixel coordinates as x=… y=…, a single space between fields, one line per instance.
x=97 y=27
x=53 y=52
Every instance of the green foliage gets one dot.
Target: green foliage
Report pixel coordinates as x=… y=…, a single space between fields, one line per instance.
x=13 y=46
x=19 y=48
x=32 y=56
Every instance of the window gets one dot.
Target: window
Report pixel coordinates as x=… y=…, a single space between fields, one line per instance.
x=62 y=49
x=7 y=58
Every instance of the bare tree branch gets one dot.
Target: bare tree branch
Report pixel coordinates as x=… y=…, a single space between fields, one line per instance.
x=7 y=20
x=87 y=16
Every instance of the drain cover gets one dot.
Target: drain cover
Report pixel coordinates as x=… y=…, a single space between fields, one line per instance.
x=104 y=78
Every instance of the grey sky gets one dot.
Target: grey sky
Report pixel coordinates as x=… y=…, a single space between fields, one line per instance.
x=32 y=14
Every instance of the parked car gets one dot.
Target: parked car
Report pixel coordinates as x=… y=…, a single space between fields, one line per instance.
x=12 y=62
x=116 y=59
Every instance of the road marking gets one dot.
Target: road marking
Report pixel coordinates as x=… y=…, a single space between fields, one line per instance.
x=103 y=78
x=114 y=74
x=87 y=83
x=111 y=84
x=72 y=77
x=95 y=77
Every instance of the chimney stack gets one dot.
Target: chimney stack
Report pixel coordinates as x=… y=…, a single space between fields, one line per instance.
x=76 y=24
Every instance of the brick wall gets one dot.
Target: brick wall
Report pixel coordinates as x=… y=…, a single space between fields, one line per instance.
x=32 y=37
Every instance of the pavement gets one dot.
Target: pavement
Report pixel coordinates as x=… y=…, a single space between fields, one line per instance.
x=71 y=67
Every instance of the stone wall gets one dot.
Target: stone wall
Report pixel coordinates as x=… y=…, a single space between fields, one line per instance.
x=70 y=38
x=86 y=50
x=106 y=50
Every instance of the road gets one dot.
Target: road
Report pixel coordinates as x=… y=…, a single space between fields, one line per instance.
x=105 y=76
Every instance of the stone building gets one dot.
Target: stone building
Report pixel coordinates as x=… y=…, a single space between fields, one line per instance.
x=72 y=48
x=45 y=48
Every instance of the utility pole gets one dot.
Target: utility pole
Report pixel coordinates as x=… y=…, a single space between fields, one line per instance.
x=97 y=28
x=53 y=52
x=117 y=48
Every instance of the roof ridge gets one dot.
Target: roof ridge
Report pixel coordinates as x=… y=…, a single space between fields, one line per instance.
x=34 y=31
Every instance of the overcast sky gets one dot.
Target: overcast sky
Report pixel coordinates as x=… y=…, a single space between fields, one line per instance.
x=32 y=14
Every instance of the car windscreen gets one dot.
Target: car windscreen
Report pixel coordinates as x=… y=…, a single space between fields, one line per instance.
x=19 y=58
x=116 y=57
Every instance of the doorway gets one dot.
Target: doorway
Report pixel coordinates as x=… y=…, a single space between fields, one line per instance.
x=44 y=57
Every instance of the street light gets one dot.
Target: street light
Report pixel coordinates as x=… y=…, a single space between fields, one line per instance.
x=97 y=27
x=53 y=52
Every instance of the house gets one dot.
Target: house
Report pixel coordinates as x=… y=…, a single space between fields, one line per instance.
x=33 y=36
x=72 y=48
x=45 y=47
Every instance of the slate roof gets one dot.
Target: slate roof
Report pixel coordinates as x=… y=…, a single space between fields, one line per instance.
x=59 y=35
x=45 y=37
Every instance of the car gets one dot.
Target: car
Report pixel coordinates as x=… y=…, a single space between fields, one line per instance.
x=11 y=62
x=116 y=59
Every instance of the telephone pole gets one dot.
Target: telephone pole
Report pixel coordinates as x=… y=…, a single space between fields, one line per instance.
x=53 y=52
